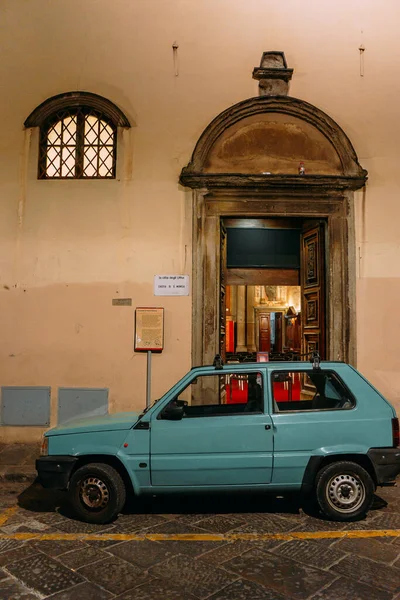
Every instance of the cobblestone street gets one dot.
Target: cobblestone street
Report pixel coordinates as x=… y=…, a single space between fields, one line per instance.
x=182 y=548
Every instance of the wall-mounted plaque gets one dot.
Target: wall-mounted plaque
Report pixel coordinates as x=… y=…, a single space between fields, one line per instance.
x=149 y=329
x=171 y=285
x=122 y=301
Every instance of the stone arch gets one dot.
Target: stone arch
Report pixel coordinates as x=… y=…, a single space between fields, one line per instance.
x=347 y=173
x=70 y=100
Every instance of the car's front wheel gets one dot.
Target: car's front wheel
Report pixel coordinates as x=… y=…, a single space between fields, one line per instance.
x=345 y=491
x=97 y=493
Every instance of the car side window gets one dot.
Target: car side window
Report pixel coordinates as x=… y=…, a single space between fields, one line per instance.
x=314 y=390
x=220 y=395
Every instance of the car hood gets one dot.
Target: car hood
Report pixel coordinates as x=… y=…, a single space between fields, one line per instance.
x=113 y=422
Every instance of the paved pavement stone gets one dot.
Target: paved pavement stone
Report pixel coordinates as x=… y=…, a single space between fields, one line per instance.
x=79 y=558
x=102 y=543
x=12 y=590
x=144 y=554
x=176 y=526
x=267 y=524
x=30 y=526
x=157 y=589
x=386 y=520
x=19 y=553
x=198 y=578
x=287 y=577
x=83 y=591
x=219 y=523
x=309 y=553
x=114 y=575
x=228 y=551
x=310 y=569
x=55 y=548
x=346 y=589
x=71 y=526
x=190 y=548
x=136 y=523
x=43 y=574
x=369 y=572
x=246 y=590
x=374 y=549
x=7 y=545
x=192 y=519
x=316 y=524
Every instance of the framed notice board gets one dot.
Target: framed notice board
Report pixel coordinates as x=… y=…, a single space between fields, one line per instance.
x=149 y=329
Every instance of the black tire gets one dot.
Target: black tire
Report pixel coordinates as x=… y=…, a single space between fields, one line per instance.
x=345 y=491
x=97 y=493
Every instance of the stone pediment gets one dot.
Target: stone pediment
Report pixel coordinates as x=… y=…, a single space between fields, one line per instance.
x=261 y=141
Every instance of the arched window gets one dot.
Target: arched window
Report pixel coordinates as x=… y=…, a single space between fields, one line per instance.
x=78 y=136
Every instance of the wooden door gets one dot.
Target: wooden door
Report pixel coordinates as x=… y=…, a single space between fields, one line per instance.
x=313 y=289
x=223 y=290
x=265 y=332
x=278 y=332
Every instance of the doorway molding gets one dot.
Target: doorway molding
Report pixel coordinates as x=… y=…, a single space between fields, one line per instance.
x=252 y=195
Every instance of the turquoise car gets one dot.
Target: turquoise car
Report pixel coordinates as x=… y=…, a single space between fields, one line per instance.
x=319 y=428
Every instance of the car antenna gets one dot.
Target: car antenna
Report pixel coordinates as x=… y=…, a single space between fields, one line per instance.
x=218 y=364
x=316 y=360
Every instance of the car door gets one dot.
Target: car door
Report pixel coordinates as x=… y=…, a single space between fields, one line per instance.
x=316 y=412
x=219 y=441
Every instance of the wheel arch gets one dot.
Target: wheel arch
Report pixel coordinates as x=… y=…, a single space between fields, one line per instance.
x=110 y=460
x=316 y=463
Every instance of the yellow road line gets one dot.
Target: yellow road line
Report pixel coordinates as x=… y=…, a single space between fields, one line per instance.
x=6 y=514
x=202 y=537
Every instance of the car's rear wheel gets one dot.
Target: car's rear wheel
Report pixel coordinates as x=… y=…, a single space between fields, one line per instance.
x=97 y=493
x=345 y=491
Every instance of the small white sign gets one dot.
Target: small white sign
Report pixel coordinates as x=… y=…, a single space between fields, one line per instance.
x=171 y=285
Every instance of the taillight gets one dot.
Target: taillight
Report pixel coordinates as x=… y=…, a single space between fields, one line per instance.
x=395 y=432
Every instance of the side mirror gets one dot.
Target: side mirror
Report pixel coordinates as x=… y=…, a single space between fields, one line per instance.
x=173 y=413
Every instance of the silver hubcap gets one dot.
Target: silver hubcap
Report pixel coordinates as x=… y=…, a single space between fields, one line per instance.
x=94 y=493
x=345 y=493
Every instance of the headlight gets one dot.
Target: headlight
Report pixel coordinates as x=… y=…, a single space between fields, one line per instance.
x=44 y=450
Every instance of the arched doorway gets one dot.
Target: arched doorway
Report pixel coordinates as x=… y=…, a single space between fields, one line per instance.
x=246 y=166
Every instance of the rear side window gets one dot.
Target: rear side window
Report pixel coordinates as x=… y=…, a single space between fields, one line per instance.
x=310 y=390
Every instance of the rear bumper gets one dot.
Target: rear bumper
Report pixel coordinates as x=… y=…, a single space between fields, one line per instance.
x=386 y=462
x=54 y=471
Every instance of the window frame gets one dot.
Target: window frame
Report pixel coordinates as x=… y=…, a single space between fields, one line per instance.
x=81 y=113
x=275 y=404
x=58 y=107
x=230 y=414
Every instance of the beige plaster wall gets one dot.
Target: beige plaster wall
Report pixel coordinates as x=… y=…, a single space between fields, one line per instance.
x=68 y=247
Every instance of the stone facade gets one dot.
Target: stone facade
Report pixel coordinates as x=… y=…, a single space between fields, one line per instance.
x=71 y=248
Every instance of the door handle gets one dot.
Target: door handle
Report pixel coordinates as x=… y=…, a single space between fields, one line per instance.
x=268 y=427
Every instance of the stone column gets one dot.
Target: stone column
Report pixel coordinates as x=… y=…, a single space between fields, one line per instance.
x=251 y=345
x=241 y=319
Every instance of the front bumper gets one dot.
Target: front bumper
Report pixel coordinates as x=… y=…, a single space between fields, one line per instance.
x=386 y=462
x=55 y=471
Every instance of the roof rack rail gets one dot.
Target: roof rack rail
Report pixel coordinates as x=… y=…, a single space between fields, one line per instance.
x=218 y=364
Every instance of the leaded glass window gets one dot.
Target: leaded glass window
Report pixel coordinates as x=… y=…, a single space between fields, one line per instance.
x=77 y=144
